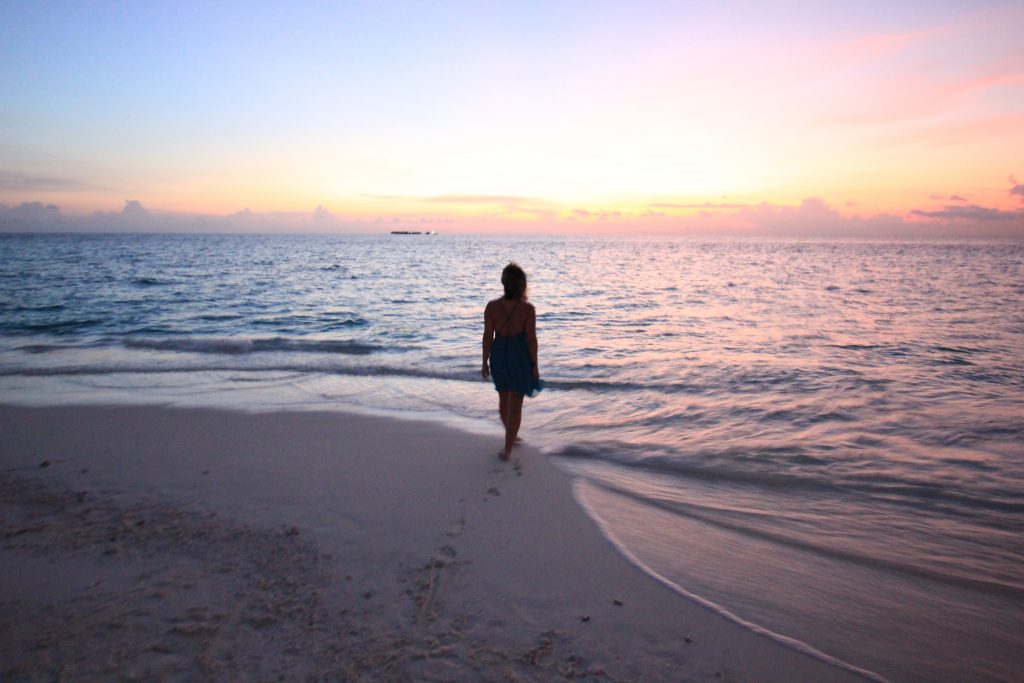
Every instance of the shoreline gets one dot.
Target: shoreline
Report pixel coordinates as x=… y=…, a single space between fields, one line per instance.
x=184 y=542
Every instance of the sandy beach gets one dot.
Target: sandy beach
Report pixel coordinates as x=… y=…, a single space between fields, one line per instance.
x=148 y=543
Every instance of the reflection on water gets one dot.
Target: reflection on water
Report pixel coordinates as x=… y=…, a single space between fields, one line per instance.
x=826 y=439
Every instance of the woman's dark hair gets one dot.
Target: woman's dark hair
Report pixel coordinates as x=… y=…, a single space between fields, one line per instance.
x=513 y=279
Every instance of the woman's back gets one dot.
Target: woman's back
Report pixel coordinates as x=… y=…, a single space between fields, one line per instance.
x=509 y=316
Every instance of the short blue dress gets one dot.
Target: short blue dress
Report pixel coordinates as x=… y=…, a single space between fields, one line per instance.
x=511 y=367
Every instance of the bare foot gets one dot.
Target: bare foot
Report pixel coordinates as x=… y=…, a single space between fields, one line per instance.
x=504 y=455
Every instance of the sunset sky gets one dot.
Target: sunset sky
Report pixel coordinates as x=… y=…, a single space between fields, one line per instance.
x=863 y=117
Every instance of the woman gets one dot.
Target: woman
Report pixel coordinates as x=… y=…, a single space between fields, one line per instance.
x=510 y=351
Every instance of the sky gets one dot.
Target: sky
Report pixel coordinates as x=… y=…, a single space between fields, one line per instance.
x=879 y=118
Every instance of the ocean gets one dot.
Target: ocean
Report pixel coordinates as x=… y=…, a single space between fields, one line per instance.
x=822 y=440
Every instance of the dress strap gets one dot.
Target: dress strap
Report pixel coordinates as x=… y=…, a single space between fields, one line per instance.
x=508 y=317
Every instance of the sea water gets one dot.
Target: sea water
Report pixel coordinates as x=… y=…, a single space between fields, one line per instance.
x=823 y=440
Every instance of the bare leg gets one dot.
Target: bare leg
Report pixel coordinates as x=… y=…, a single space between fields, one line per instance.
x=513 y=419
x=503 y=405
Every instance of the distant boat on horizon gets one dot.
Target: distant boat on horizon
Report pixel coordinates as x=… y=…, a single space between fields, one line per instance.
x=413 y=232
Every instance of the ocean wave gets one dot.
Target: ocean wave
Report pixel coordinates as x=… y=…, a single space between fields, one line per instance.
x=597 y=385
x=43 y=308
x=50 y=348
x=234 y=347
x=243 y=345
x=716 y=517
x=788 y=469
x=151 y=282
x=218 y=317
x=319 y=323
x=57 y=327
x=326 y=368
x=579 y=491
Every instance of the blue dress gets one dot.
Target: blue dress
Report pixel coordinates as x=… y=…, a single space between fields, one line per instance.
x=511 y=367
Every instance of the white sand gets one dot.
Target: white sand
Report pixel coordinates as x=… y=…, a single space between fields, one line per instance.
x=184 y=545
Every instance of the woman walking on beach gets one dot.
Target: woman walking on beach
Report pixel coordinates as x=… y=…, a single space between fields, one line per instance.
x=510 y=351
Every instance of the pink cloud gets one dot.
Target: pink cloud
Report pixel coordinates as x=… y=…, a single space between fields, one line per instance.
x=479 y=199
x=1017 y=191
x=972 y=213
x=705 y=205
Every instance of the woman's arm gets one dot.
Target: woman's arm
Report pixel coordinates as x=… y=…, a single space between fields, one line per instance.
x=485 y=372
x=531 y=338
